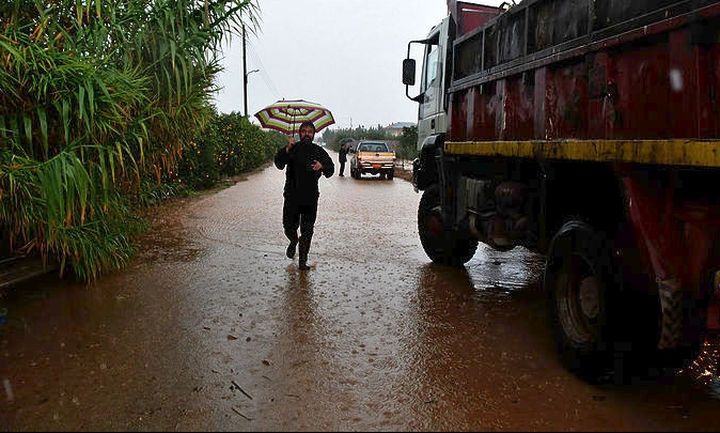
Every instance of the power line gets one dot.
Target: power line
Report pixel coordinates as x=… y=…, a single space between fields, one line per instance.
x=263 y=71
x=270 y=85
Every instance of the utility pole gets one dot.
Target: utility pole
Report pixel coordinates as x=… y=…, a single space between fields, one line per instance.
x=245 y=74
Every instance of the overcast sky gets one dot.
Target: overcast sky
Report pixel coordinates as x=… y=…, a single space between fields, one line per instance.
x=344 y=54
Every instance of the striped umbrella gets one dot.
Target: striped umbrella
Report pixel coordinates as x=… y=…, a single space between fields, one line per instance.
x=287 y=116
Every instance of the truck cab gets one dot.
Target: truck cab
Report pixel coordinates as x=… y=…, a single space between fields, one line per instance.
x=437 y=65
x=432 y=117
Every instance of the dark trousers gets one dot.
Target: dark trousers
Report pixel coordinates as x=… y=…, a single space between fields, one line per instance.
x=342 y=168
x=300 y=216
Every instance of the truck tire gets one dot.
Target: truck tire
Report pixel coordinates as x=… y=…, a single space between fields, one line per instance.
x=581 y=285
x=440 y=244
x=391 y=175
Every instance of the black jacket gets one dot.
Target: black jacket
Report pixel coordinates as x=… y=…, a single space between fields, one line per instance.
x=343 y=153
x=301 y=182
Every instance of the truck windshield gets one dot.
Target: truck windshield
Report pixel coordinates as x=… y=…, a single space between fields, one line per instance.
x=373 y=147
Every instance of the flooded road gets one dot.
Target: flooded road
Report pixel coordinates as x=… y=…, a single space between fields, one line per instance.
x=213 y=328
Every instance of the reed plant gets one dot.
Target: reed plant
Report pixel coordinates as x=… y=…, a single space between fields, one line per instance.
x=96 y=97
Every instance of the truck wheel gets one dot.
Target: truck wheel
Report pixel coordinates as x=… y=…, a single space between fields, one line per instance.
x=440 y=244
x=581 y=285
x=391 y=175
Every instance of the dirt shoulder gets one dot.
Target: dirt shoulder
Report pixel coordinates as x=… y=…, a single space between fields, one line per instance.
x=404 y=172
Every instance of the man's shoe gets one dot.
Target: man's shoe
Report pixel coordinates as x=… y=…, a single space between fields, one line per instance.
x=303 y=266
x=291 y=249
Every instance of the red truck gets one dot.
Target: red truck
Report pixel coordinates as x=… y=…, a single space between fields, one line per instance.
x=588 y=131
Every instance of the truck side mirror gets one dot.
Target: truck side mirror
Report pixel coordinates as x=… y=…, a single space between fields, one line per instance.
x=409 y=72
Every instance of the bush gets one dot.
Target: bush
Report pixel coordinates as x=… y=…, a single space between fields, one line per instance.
x=199 y=165
x=408 y=143
x=230 y=145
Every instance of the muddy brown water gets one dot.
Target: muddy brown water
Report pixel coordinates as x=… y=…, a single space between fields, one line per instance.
x=212 y=328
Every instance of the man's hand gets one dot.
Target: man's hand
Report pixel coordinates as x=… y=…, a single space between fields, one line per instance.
x=316 y=166
x=290 y=144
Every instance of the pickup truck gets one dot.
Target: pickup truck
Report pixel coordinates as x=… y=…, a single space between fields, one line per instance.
x=373 y=157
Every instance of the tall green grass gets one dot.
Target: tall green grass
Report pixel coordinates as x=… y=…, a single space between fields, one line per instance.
x=95 y=97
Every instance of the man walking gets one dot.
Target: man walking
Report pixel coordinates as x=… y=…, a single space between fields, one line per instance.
x=306 y=162
x=343 y=158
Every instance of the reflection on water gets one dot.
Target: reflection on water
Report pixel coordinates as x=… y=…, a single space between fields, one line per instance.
x=705 y=369
x=497 y=275
x=474 y=358
x=301 y=311
x=298 y=299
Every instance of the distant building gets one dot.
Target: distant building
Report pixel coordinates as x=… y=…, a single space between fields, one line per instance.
x=396 y=129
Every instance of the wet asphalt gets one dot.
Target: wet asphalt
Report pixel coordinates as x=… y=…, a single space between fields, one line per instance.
x=211 y=327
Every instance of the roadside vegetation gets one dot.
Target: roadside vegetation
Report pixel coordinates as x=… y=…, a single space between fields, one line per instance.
x=105 y=106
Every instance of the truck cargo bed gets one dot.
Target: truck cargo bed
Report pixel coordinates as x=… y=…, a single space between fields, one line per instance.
x=588 y=71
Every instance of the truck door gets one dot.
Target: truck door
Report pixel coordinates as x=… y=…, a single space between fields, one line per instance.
x=432 y=117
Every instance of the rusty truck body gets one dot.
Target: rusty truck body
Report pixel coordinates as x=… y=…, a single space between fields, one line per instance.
x=588 y=131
